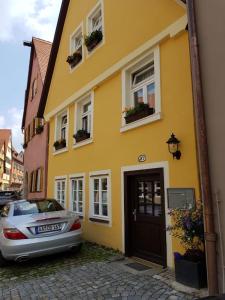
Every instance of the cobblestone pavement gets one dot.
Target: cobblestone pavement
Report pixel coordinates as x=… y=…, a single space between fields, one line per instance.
x=91 y=274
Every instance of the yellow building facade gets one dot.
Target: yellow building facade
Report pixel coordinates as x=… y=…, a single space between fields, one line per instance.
x=114 y=100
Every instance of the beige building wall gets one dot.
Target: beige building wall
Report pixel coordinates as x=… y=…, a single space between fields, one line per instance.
x=210 y=16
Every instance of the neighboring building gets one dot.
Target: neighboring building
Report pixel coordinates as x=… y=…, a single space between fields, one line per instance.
x=2 y=161
x=17 y=173
x=208 y=41
x=35 y=129
x=6 y=158
x=115 y=172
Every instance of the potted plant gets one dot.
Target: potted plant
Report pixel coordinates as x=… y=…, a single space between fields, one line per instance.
x=39 y=129
x=190 y=268
x=141 y=110
x=60 y=144
x=81 y=135
x=92 y=40
x=74 y=59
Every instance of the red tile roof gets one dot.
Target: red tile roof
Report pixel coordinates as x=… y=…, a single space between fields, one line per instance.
x=43 y=49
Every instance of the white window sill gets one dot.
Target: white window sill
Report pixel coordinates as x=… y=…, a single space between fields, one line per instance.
x=83 y=143
x=141 y=122
x=100 y=220
x=56 y=152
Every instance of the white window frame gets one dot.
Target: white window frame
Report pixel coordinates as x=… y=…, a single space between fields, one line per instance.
x=97 y=175
x=78 y=118
x=89 y=29
x=77 y=176
x=61 y=179
x=77 y=31
x=39 y=174
x=57 y=135
x=128 y=91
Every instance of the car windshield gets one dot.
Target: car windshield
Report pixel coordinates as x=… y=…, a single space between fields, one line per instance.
x=35 y=207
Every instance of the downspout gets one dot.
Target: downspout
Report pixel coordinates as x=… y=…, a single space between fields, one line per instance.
x=202 y=152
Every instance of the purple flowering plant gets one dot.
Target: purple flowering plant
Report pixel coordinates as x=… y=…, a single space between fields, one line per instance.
x=188 y=227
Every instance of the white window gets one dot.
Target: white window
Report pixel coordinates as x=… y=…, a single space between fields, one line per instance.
x=141 y=87
x=76 y=47
x=95 y=19
x=77 y=195
x=84 y=118
x=60 y=191
x=62 y=126
x=100 y=196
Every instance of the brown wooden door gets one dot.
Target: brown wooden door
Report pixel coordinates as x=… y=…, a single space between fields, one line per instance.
x=146 y=216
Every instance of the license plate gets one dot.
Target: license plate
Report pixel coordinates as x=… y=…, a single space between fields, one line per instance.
x=48 y=228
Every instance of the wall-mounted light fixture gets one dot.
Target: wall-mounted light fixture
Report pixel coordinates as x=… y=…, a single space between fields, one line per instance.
x=173 y=146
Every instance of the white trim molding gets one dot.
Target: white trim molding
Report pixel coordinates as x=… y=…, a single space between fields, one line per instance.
x=169 y=32
x=165 y=166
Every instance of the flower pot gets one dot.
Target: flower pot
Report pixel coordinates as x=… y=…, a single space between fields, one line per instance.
x=39 y=129
x=139 y=115
x=60 y=145
x=74 y=59
x=190 y=273
x=81 y=137
x=93 y=40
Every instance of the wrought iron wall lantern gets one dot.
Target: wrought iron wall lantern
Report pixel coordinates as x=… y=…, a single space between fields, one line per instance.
x=173 y=146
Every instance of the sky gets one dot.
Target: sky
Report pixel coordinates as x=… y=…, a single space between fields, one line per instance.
x=19 y=21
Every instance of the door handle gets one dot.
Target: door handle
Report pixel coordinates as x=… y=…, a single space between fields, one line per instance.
x=135 y=214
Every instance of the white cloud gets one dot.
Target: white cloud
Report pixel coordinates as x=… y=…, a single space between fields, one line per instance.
x=12 y=120
x=22 y=19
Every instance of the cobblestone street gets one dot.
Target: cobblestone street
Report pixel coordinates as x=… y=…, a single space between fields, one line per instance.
x=92 y=274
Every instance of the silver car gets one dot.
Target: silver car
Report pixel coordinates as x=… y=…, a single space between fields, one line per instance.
x=32 y=228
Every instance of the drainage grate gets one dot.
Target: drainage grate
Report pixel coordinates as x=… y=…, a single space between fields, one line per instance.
x=138 y=267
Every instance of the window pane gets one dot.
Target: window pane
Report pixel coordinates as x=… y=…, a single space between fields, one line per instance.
x=104 y=210
x=138 y=97
x=74 y=206
x=63 y=185
x=96 y=209
x=148 y=199
x=80 y=207
x=104 y=184
x=75 y=196
x=96 y=184
x=104 y=197
x=87 y=107
x=80 y=196
x=85 y=123
x=80 y=185
x=96 y=196
x=63 y=133
x=151 y=95
x=142 y=74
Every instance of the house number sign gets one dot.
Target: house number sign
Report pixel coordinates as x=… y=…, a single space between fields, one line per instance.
x=142 y=158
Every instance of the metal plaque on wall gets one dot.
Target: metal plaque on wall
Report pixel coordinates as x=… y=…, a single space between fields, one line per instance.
x=181 y=198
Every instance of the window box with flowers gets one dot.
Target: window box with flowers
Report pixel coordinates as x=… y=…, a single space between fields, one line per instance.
x=188 y=227
x=39 y=129
x=141 y=110
x=92 y=40
x=81 y=135
x=74 y=59
x=60 y=144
